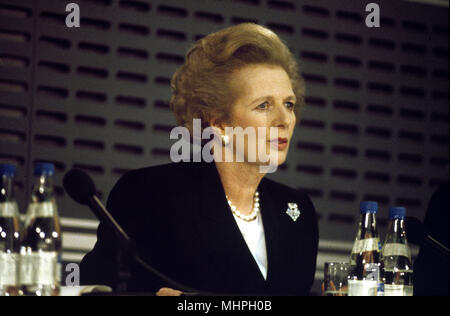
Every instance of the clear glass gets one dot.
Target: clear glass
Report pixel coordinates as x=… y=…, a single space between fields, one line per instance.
x=336 y=275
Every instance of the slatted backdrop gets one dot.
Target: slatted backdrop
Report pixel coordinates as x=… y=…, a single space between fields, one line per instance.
x=96 y=98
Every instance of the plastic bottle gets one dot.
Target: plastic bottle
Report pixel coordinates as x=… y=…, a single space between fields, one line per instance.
x=41 y=247
x=365 y=260
x=396 y=256
x=9 y=232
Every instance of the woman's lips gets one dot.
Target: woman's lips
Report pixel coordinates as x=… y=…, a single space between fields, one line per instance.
x=279 y=143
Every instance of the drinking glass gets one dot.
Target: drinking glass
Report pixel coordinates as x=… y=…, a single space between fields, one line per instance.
x=336 y=276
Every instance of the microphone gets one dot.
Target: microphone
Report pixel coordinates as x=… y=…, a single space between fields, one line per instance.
x=80 y=187
x=418 y=234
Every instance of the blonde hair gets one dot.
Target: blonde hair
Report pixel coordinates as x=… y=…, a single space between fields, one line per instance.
x=201 y=86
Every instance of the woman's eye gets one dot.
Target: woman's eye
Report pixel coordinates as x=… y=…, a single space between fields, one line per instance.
x=263 y=106
x=290 y=105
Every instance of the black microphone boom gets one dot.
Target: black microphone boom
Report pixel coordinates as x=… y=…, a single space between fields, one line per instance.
x=80 y=187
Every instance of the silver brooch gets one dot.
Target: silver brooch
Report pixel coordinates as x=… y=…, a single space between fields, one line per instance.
x=293 y=211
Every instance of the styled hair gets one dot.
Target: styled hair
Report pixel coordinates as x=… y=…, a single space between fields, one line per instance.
x=201 y=86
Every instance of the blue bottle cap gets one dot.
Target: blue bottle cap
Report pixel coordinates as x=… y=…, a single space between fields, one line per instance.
x=397 y=212
x=7 y=169
x=368 y=207
x=44 y=169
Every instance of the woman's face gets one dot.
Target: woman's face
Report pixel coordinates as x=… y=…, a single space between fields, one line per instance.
x=264 y=99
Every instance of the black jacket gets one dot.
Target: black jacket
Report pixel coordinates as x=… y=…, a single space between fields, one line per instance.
x=431 y=267
x=179 y=217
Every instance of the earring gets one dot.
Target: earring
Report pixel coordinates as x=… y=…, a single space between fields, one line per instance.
x=225 y=140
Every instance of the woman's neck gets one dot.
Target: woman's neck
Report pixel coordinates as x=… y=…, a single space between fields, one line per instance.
x=240 y=181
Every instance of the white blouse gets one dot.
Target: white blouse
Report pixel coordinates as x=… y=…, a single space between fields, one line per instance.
x=253 y=233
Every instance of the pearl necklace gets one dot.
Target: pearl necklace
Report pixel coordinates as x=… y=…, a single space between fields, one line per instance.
x=252 y=215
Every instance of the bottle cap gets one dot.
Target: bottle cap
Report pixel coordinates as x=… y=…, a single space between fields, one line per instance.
x=44 y=169
x=397 y=212
x=368 y=207
x=7 y=169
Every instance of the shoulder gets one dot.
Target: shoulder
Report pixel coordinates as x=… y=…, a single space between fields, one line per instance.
x=154 y=177
x=159 y=172
x=145 y=185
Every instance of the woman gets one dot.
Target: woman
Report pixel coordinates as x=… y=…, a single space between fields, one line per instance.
x=221 y=227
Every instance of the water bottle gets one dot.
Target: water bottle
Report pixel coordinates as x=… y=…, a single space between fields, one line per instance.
x=41 y=246
x=9 y=232
x=396 y=256
x=365 y=260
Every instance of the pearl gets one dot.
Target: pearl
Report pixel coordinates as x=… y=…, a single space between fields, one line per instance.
x=250 y=216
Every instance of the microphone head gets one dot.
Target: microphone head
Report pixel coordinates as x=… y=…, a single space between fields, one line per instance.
x=78 y=185
x=415 y=230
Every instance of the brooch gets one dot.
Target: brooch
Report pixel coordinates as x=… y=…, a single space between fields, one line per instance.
x=293 y=211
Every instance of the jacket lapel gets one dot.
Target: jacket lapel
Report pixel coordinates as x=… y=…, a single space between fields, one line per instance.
x=279 y=240
x=272 y=232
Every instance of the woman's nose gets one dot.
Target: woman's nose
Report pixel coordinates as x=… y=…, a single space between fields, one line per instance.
x=281 y=116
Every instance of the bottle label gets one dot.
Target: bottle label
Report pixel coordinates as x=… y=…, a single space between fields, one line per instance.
x=393 y=290
x=364 y=245
x=8 y=269
x=362 y=288
x=395 y=249
x=39 y=268
x=398 y=290
x=9 y=209
x=44 y=209
x=26 y=269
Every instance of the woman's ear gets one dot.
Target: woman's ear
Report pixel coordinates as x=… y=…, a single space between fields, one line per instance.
x=218 y=126
x=219 y=129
